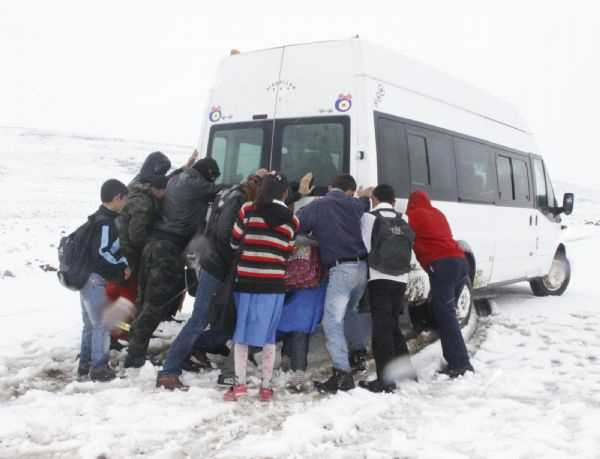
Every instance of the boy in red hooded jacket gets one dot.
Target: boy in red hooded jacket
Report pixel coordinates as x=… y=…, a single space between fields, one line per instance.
x=444 y=261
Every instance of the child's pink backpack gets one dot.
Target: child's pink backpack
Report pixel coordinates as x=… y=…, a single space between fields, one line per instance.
x=304 y=268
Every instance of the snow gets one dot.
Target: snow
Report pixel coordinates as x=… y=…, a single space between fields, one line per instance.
x=535 y=393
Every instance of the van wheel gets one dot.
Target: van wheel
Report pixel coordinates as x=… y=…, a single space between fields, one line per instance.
x=464 y=305
x=422 y=319
x=556 y=281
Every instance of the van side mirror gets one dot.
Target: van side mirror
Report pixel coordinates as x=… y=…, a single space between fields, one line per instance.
x=567 y=207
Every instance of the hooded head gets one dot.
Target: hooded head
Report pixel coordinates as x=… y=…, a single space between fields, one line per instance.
x=208 y=168
x=418 y=200
x=155 y=165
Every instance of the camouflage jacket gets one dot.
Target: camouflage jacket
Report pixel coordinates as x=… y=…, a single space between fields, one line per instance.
x=136 y=221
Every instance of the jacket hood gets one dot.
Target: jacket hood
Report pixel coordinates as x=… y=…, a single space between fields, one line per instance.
x=275 y=214
x=155 y=164
x=418 y=200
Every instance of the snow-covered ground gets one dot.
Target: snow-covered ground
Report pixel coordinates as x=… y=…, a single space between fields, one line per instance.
x=535 y=393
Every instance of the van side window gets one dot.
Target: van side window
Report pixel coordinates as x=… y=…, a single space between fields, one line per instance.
x=475 y=171
x=521 y=181
x=392 y=156
x=419 y=161
x=541 y=194
x=505 y=181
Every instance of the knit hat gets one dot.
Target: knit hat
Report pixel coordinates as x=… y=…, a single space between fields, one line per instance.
x=159 y=182
x=208 y=168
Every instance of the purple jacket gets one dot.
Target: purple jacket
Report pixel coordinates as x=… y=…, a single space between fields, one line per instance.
x=335 y=221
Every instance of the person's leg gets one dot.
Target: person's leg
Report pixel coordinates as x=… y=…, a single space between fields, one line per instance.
x=356 y=323
x=299 y=350
x=240 y=352
x=442 y=275
x=286 y=351
x=397 y=290
x=162 y=285
x=184 y=343
x=383 y=328
x=268 y=361
x=336 y=303
x=95 y=303
x=85 y=352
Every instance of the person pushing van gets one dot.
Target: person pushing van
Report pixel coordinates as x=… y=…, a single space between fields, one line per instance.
x=444 y=261
x=335 y=221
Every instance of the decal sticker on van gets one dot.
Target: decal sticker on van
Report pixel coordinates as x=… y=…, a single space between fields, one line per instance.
x=344 y=102
x=215 y=114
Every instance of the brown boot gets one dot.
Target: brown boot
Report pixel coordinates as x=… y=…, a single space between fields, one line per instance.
x=171 y=383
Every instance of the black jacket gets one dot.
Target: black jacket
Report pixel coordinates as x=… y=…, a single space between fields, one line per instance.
x=218 y=256
x=184 y=207
x=105 y=249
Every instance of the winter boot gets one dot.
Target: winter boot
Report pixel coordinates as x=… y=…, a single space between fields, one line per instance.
x=358 y=360
x=115 y=345
x=235 y=392
x=201 y=359
x=171 y=383
x=134 y=362
x=265 y=394
x=339 y=380
x=83 y=369
x=455 y=372
x=103 y=373
x=377 y=386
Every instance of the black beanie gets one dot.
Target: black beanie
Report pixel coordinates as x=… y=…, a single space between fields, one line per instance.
x=208 y=168
x=158 y=182
x=111 y=188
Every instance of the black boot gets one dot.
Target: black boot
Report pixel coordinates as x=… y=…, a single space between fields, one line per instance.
x=115 y=345
x=103 y=373
x=455 y=372
x=83 y=369
x=339 y=380
x=377 y=386
x=135 y=361
x=358 y=360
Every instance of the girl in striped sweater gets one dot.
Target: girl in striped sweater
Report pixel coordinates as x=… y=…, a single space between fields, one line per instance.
x=265 y=230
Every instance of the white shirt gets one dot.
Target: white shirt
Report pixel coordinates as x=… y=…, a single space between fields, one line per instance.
x=366 y=226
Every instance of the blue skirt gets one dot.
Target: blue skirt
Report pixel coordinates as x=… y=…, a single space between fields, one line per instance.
x=257 y=317
x=303 y=310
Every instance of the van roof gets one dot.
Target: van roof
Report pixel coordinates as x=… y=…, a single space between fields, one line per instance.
x=390 y=67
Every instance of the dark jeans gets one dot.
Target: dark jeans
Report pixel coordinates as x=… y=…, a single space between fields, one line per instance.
x=295 y=346
x=447 y=277
x=210 y=340
x=388 y=341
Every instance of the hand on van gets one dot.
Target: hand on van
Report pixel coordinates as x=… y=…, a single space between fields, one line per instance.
x=305 y=189
x=191 y=160
x=262 y=172
x=368 y=192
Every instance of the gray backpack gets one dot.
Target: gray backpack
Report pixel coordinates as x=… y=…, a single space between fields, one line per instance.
x=391 y=244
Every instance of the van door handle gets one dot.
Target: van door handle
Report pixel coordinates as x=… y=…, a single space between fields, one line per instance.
x=530 y=220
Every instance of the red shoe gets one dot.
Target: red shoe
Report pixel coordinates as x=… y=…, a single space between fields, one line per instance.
x=235 y=392
x=265 y=395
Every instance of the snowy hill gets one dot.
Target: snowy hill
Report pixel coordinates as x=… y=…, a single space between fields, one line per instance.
x=535 y=393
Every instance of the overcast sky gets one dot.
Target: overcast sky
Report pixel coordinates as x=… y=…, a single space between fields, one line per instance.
x=141 y=69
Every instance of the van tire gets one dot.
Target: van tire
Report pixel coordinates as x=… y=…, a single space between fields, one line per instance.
x=422 y=319
x=556 y=281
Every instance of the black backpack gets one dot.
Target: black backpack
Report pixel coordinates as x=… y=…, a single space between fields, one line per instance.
x=391 y=244
x=75 y=263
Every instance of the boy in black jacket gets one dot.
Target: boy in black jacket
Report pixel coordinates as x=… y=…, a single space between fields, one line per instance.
x=108 y=265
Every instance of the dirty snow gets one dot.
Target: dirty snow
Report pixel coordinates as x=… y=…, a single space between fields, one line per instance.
x=535 y=393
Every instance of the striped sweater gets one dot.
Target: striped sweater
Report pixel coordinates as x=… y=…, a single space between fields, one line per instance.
x=267 y=239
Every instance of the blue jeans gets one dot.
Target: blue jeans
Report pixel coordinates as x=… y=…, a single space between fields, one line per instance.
x=95 y=338
x=347 y=283
x=184 y=343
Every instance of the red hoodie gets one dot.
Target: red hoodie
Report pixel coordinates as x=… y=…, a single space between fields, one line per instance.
x=433 y=235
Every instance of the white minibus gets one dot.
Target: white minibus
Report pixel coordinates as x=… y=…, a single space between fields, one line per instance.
x=349 y=106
